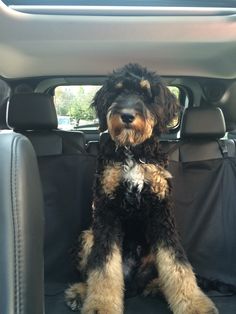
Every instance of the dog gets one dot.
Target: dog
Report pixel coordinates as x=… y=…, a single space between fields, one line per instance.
x=133 y=246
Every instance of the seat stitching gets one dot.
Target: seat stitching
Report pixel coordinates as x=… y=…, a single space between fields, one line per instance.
x=16 y=230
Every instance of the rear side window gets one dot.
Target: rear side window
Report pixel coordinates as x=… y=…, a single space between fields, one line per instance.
x=73 y=106
x=74 y=110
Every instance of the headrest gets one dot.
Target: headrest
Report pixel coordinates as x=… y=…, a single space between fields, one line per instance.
x=3 y=115
x=31 y=112
x=203 y=123
x=228 y=107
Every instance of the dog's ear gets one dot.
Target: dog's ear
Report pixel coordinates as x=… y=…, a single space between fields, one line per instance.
x=166 y=106
x=101 y=104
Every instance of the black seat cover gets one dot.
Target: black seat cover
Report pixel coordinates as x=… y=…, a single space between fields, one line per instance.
x=204 y=181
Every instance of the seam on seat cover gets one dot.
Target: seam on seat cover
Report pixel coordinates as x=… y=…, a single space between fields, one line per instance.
x=16 y=230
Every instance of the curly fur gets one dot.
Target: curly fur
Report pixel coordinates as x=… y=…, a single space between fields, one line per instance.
x=133 y=242
x=129 y=79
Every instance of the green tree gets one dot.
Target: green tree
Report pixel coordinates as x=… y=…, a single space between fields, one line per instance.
x=75 y=101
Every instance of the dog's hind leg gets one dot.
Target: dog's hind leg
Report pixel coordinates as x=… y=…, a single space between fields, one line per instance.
x=76 y=293
x=105 y=287
x=178 y=283
x=105 y=282
x=176 y=278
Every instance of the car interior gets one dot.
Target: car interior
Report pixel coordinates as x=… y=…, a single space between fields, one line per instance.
x=47 y=172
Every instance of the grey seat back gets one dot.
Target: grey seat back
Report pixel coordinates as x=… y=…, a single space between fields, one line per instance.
x=21 y=227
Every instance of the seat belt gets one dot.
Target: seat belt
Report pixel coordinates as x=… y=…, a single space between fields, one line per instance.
x=223 y=148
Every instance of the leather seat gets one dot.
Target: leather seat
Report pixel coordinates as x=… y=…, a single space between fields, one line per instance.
x=21 y=227
x=34 y=115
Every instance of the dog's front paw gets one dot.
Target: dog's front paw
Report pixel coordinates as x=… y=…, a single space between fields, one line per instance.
x=200 y=304
x=97 y=310
x=101 y=306
x=75 y=296
x=203 y=305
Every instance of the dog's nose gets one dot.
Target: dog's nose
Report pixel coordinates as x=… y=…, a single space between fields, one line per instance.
x=127 y=117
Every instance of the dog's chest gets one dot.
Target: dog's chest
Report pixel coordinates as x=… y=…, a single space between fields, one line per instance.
x=133 y=175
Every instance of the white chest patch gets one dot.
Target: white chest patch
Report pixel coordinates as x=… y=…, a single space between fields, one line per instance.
x=133 y=174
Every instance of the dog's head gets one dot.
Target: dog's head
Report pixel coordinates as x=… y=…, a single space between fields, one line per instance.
x=133 y=104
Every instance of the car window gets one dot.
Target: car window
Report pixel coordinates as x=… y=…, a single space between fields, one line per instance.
x=73 y=106
x=74 y=111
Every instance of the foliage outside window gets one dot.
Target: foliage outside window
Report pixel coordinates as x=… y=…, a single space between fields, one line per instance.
x=73 y=106
x=74 y=102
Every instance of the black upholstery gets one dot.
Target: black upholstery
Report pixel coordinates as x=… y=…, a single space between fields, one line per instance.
x=67 y=182
x=201 y=130
x=198 y=150
x=203 y=123
x=93 y=147
x=31 y=112
x=204 y=179
x=21 y=228
x=45 y=143
x=34 y=116
x=56 y=142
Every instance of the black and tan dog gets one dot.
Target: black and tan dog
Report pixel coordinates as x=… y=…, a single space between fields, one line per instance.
x=133 y=245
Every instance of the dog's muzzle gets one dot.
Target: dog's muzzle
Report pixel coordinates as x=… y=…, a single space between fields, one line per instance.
x=129 y=121
x=127 y=117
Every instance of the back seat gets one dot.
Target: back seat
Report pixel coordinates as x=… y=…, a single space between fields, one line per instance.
x=204 y=180
x=203 y=166
x=202 y=131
